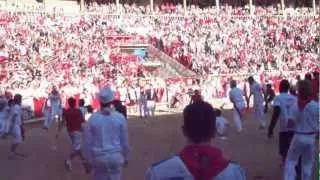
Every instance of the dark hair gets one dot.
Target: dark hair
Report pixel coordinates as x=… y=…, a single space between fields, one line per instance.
x=315 y=75
x=104 y=105
x=293 y=91
x=199 y=122
x=11 y=102
x=72 y=102
x=250 y=79
x=304 y=88
x=218 y=112
x=90 y=109
x=120 y=108
x=308 y=76
x=284 y=86
x=81 y=102
x=17 y=99
x=269 y=86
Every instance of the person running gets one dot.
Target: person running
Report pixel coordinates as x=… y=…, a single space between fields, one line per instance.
x=305 y=116
x=281 y=110
x=73 y=120
x=268 y=97
x=199 y=159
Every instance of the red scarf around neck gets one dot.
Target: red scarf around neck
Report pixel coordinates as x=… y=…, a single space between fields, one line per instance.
x=203 y=161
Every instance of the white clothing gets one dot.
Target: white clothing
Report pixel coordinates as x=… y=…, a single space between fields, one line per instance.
x=55 y=103
x=83 y=111
x=256 y=91
x=76 y=140
x=107 y=146
x=236 y=96
x=303 y=143
x=151 y=108
x=221 y=125
x=174 y=168
x=143 y=106
x=3 y=122
x=258 y=108
x=16 y=124
x=286 y=102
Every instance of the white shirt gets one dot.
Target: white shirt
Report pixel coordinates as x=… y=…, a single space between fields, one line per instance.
x=220 y=124
x=236 y=95
x=256 y=90
x=286 y=102
x=307 y=121
x=174 y=168
x=17 y=114
x=3 y=116
x=106 y=134
x=55 y=101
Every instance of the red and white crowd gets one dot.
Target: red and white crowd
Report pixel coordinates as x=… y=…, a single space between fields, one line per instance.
x=80 y=54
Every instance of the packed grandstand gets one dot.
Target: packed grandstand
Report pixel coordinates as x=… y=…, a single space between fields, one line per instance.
x=80 y=53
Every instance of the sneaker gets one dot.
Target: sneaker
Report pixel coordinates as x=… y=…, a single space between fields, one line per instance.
x=68 y=165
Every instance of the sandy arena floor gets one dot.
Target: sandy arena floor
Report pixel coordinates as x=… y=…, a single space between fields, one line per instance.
x=151 y=140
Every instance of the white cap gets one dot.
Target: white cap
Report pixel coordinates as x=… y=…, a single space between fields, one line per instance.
x=106 y=95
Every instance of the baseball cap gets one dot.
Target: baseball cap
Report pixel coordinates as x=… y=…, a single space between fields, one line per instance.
x=106 y=95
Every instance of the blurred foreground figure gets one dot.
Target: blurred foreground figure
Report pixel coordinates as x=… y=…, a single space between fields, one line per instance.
x=198 y=159
x=305 y=116
x=106 y=136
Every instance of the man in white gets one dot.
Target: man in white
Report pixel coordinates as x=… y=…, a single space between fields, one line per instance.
x=16 y=126
x=236 y=97
x=282 y=105
x=305 y=116
x=198 y=159
x=143 y=105
x=55 y=108
x=3 y=116
x=151 y=103
x=106 y=137
x=256 y=91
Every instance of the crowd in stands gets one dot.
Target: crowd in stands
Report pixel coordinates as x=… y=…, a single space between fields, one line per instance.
x=41 y=50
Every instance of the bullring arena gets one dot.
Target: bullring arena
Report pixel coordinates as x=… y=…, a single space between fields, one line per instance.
x=151 y=140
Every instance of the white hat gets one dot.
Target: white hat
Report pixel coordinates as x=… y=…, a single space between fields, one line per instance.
x=106 y=95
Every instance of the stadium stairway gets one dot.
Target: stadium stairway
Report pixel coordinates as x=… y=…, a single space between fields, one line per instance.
x=170 y=68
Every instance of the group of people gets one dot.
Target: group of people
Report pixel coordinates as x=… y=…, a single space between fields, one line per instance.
x=80 y=56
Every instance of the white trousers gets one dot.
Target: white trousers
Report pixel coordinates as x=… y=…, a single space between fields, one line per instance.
x=304 y=146
x=143 y=109
x=258 y=109
x=108 y=166
x=151 y=107
x=237 y=118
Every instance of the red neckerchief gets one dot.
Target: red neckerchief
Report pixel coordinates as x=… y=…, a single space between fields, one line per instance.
x=303 y=102
x=203 y=161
